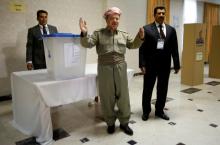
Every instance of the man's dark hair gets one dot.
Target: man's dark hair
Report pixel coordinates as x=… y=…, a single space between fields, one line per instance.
x=159 y=7
x=41 y=11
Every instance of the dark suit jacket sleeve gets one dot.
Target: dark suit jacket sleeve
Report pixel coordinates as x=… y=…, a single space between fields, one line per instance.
x=175 y=53
x=52 y=29
x=29 y=45
x=56 y=31
x=141 y=56
x=142 y=62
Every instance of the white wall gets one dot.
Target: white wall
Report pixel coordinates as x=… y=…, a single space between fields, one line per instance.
x=200 y=11
x=65 y=15
x=176 y=20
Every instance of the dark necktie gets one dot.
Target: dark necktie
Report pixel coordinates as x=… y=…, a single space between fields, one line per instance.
x=44 y=30
x=161 y=32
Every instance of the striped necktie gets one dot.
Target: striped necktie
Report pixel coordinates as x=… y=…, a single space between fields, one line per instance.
x=44 y=30
x=161 y=32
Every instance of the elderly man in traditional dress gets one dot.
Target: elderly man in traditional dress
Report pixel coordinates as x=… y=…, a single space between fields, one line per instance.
x=111 y=44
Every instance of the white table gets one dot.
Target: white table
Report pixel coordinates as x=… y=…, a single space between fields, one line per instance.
x=34 y=92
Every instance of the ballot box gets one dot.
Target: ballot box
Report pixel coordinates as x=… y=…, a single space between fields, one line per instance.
x=65 y=57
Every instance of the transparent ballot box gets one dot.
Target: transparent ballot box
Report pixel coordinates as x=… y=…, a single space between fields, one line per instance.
x=65 y=57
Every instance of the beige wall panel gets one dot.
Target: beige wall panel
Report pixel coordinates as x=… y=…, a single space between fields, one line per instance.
x=214 y=56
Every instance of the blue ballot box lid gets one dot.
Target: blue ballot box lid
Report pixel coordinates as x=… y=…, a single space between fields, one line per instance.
x=62 y=35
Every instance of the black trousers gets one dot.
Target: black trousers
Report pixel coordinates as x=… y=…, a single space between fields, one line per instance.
x=39 y=66
x=160 y=74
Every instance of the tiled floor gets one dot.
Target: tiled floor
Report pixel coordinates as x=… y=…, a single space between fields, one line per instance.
x=194 y=119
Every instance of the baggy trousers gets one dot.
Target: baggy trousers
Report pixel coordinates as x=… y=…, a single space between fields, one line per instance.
x=113 y=90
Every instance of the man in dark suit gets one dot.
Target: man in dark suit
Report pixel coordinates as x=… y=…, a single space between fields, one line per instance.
x=35 y=57
x=160 y=44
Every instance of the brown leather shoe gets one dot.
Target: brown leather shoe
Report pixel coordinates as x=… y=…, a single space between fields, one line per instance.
x=127 y=130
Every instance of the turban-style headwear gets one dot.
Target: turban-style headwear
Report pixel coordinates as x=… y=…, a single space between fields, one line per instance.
x=112 y=10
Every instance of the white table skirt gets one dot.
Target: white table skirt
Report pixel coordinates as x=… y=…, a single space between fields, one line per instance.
x=34 y=92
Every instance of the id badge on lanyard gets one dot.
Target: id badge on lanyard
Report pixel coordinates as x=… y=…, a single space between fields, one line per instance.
x=160 y=44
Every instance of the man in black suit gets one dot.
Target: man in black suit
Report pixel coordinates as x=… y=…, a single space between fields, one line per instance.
x=160 y=44
x=35 y=57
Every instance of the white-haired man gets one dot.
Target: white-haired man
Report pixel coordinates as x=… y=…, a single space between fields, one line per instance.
x=111 y=45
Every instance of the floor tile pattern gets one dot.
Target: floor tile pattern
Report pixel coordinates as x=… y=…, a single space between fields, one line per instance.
x=193 y=111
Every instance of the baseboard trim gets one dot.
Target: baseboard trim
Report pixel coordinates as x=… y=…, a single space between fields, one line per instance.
x=5 y=98
x=138 y=74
